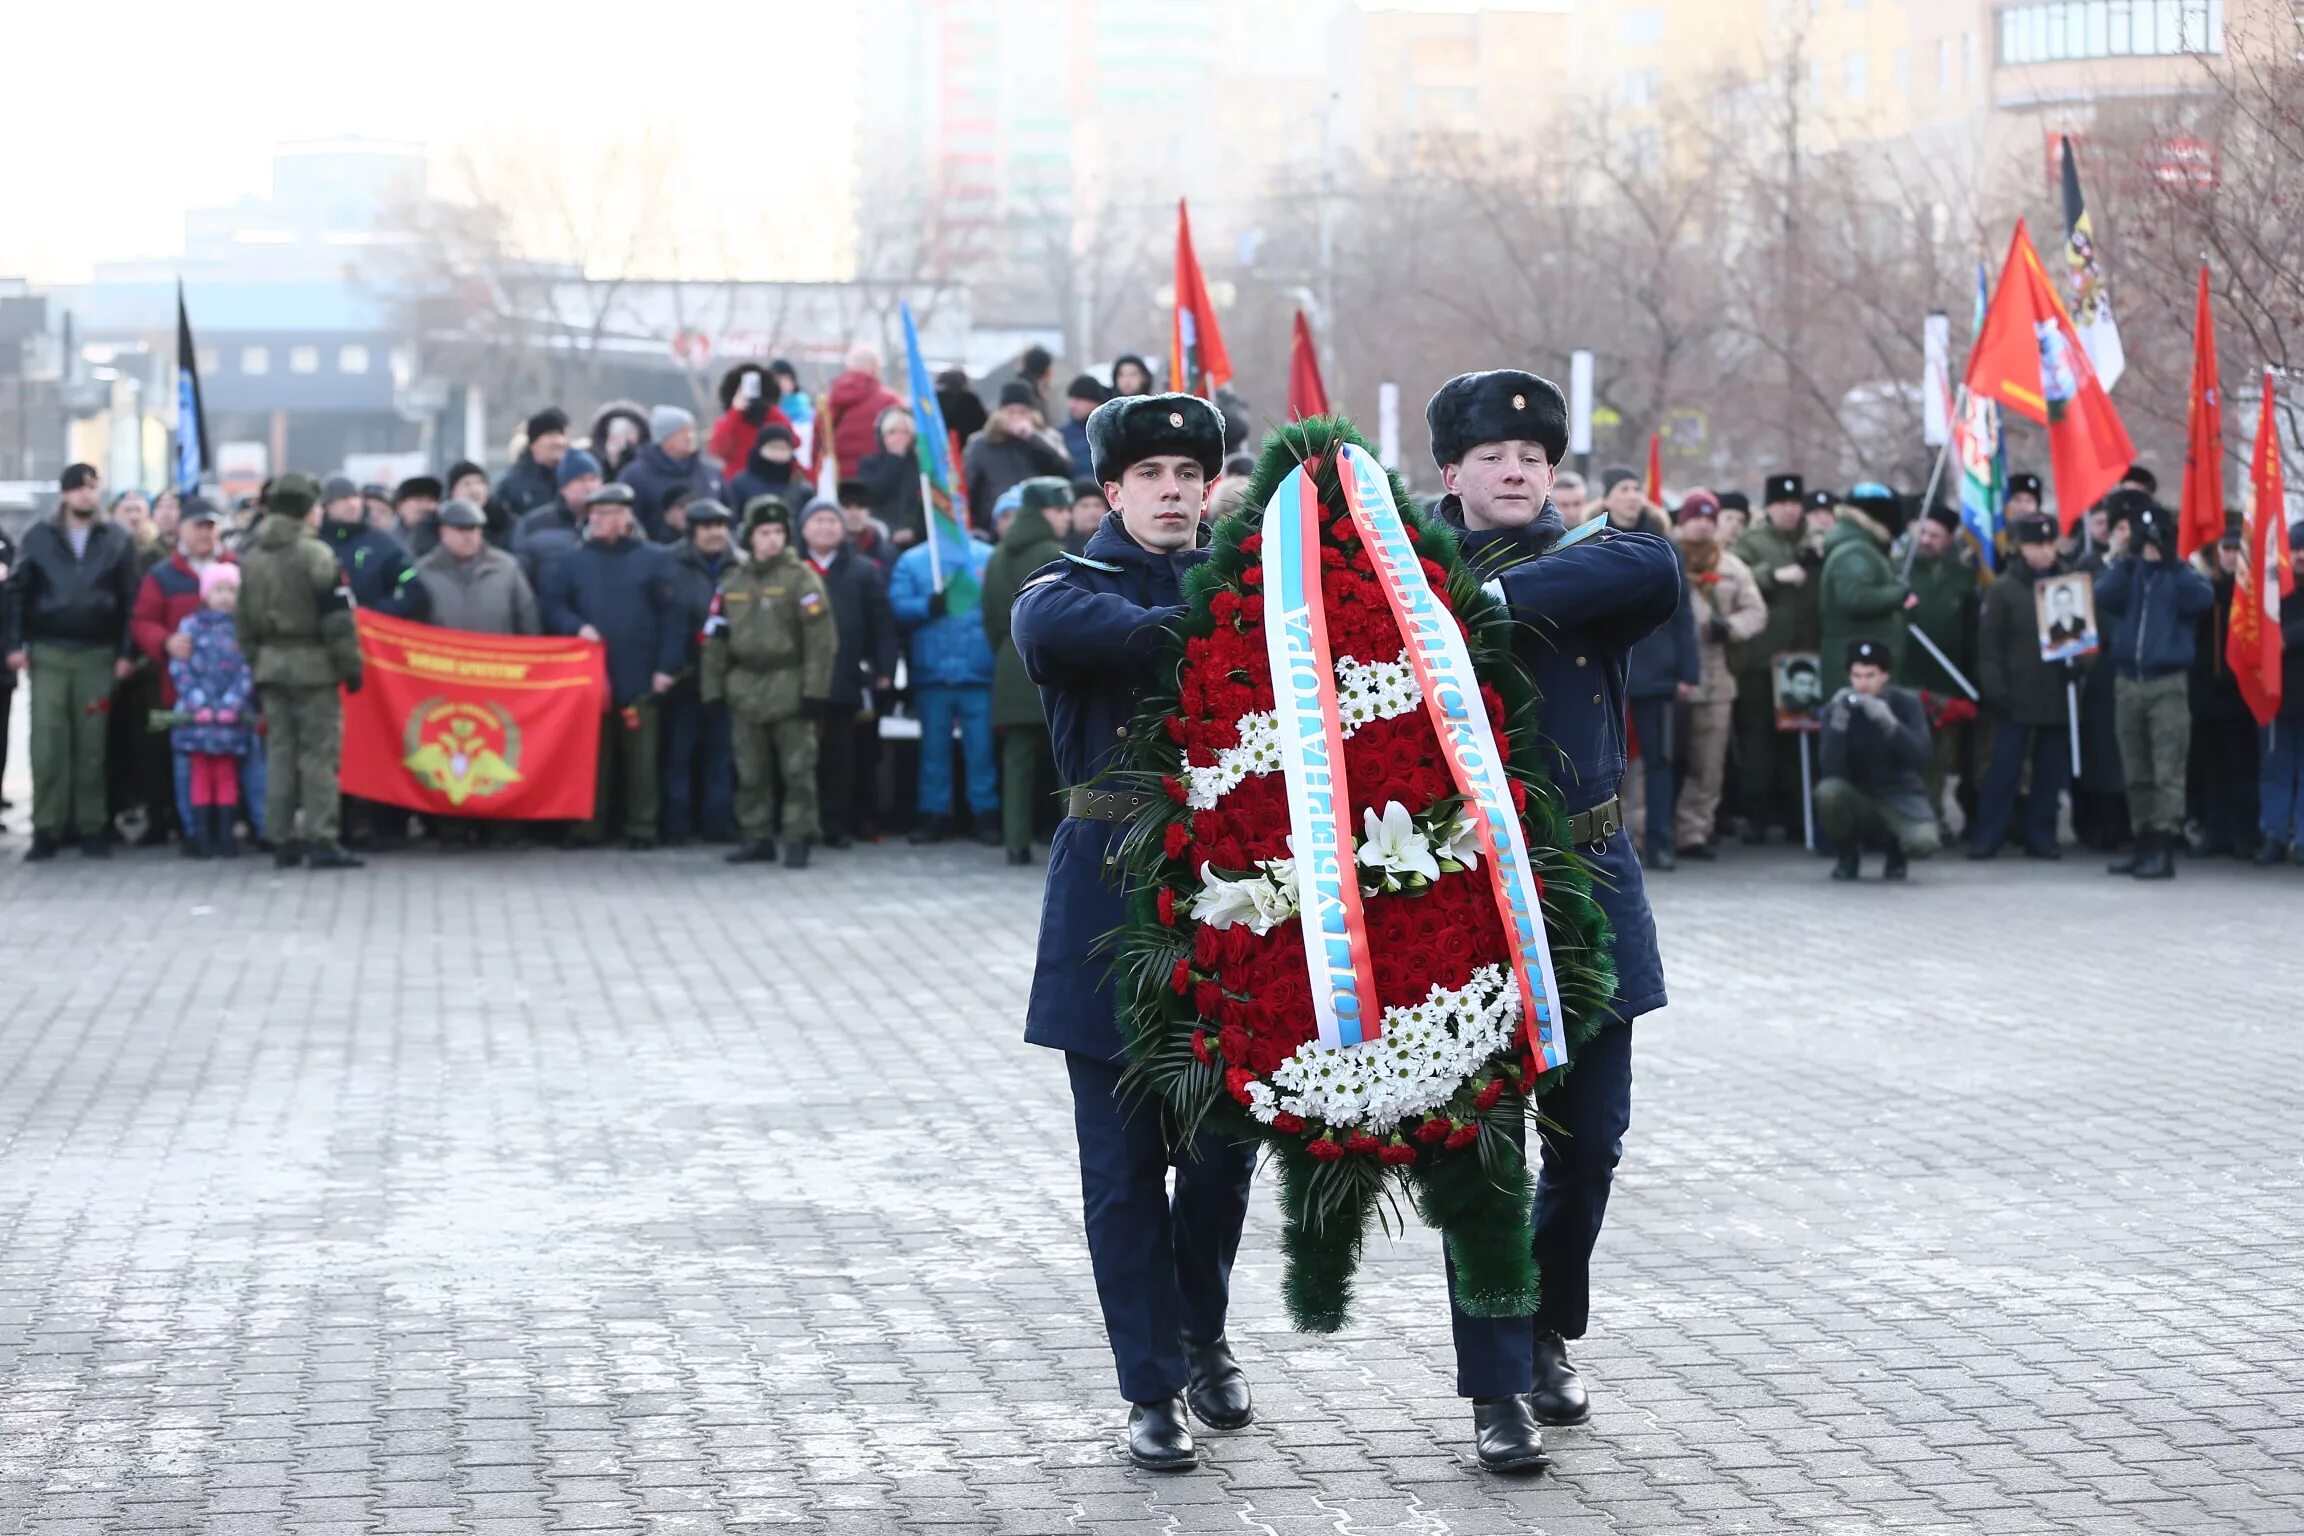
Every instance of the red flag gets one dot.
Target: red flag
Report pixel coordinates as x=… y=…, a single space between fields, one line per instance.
x=460 y=724
x=1654 y=489
x=2200 y=523
x=1197 y=362
x=2029 y=358
x=1307 y=396
x=2252 y=644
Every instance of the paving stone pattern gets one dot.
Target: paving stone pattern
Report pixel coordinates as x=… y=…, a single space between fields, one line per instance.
x=528 y=1191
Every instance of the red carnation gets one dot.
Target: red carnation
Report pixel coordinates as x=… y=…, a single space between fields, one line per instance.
x=1435 y=1129
x=1176 y=839
x=1399 y=1154
x=1324 y=1149
x=1181 y=977
x=1174 y=726
x=1253 y=576
x=1433 y=574
x=1174 y=786
x=1463 y=1136
x=1200 y=1046
x=1236 y=1081
x=1519 y=797
x=1289 y=1125
x=1251 y=544
x=1363 y=1143
x=1487 y=1097
x=1167 y=904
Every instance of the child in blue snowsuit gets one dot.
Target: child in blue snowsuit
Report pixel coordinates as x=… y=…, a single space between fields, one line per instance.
x=215 y=693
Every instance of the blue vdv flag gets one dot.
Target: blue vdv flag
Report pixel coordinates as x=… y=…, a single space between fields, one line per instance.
x=192 y=457
x=1983 y=453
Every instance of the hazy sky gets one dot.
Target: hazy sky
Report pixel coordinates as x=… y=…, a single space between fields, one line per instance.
x=119 y=118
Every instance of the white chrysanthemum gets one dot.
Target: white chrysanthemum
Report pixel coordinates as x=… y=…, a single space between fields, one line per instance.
x=1366 y=692
x=1424 y=1054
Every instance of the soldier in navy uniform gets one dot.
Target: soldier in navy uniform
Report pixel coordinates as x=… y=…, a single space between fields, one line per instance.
x=1088 y=629
x=1579 y=605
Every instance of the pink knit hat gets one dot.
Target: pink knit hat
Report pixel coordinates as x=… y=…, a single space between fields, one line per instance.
x=218 y=573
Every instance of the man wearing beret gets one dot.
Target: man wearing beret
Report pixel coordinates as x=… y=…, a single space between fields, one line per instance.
x=1088 y=629
x=1579 y=610
x=1875 y=754
x=2030 y=700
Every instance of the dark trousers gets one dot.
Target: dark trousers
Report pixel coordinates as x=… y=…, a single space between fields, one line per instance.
x=2279 y=777
x=699 y=765
x=1163 y=1263
x=1592 y=1108
x=2049 y=749
x=836 y=775
x=137 y=756
x=2223 y=778
x=7 y=702
x=1654 y=721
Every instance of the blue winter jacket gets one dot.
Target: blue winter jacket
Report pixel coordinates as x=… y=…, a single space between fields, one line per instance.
x=1581 y=613
x=654 y=475
x=624 y=589
x=2157 y=608
x=378 y=570
x=1089 y=629
x=950 y=651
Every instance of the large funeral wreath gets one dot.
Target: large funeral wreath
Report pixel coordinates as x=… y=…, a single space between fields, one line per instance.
x=1214 y=997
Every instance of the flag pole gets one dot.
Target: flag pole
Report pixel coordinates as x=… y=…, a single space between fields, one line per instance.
x=2072 y=714
x=1944 y=661
x=1807 y=796
x=1928 y=496
x=928 y=519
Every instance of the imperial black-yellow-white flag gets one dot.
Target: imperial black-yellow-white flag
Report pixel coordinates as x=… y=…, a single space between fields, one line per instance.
x=2091 y=300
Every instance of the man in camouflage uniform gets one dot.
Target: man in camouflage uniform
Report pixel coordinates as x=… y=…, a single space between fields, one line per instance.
x=295 y=627
x=768 y=650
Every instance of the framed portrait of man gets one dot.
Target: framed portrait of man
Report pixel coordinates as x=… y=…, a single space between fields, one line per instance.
x=1797 y=682
x=2065 y=609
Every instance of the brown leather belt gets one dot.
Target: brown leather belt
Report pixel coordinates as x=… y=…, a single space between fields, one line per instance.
x=1105 y=804
x=1592 y=829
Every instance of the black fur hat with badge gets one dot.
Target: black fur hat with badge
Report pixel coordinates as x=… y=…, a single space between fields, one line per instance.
x=1133 y=428
x=1498 y=406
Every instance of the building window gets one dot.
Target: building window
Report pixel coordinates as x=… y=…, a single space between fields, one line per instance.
x=352 y=358
x=1640 y=26
x=303 y=359
x=255 y=360
x=2046 y=31
x=1852 y=73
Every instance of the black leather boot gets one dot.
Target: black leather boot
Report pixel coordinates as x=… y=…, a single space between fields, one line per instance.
x=2136 y=855
x=1218 y=1392
x=288 y=854
x=1849 y=865
x=1159 y=1439
x=2159 y=861
x=1504 y=1432
x=795 y=855
x=756 y=850
x=1895 y=868
x=1559 y=1396
x=332 y=855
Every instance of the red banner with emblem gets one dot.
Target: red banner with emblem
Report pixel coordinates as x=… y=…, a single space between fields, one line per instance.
x=459 y=724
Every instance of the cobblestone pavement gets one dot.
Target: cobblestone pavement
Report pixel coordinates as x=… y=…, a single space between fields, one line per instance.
x=530 y=1192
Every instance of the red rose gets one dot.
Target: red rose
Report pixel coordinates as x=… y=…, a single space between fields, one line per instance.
x=1181 y=977
x=1290 y=1125
x=1486 y=1099
x=1166 y=901
x=1399 y=1154
x=1324 y=1149
x=1176 y=839
x=1234 y=1043
x=1463 y=1136
x=1207 y=999
x=1200 y=1046
x=1435 y=1129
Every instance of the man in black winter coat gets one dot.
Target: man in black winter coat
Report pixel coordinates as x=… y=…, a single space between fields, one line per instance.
x=64 y=621
x=863 y=674
x=376 y=565
x=668 y=461
x=1876 y=753
x=617 y=589
x=533 y=479
x=545 y=533
x=2030 y=700
x=699 y=738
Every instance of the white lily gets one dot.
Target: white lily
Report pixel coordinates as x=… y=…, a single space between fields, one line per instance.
x=1395 y=846
x=1220 y=903
x=1463 y=842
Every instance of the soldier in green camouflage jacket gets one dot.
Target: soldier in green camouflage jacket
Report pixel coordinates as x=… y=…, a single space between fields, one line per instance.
x=768 y=650
x=294 y=624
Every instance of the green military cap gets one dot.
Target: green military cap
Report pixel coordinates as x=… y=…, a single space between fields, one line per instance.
x=292 y=495
x=1045 y=491
x=766 y=509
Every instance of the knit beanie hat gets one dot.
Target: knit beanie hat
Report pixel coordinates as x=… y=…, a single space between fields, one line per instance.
x=666 y=420
x=218 y=573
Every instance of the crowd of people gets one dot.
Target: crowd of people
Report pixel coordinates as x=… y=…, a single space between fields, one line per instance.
x=784 y=637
